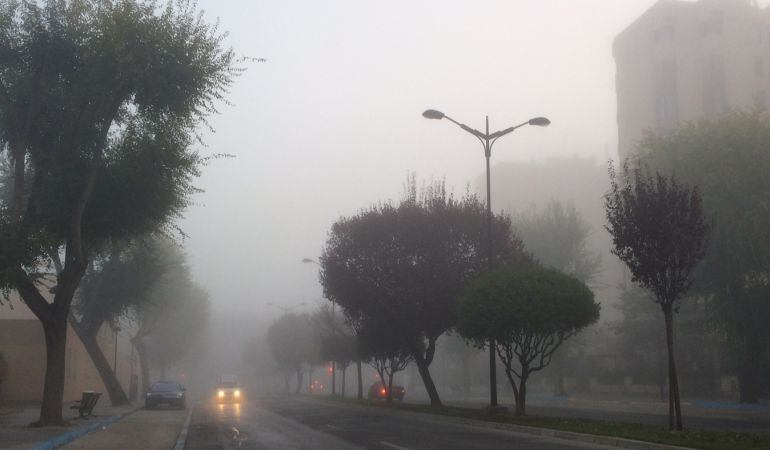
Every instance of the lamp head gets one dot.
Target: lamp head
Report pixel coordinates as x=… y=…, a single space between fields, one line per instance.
x=433 y=114
x=539 y=122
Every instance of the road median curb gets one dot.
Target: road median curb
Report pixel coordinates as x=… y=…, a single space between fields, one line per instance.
x=79 y=432
x=546 y=432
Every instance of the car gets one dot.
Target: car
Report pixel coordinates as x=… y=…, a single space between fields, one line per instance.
x=228 y=390
x=165 y=392
x=379 y=391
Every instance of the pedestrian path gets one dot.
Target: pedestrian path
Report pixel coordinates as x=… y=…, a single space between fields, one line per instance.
x=16 y=433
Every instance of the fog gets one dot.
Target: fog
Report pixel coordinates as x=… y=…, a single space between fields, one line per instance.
x=331 y=122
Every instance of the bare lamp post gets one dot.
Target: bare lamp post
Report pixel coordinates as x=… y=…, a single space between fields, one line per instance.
x=487 y=140
x=334 y=331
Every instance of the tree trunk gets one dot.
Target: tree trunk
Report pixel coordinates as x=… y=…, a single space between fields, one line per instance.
x=310 y=379
x=109 y=378
x=674 y=403
x=521 y=399
x=516 y=394
x=144 y=363
x=55 y=332
x=344 y=371
x=299 y=380
x=390 y=388
x=360 y=381
x=422 y=367
x=749 y=379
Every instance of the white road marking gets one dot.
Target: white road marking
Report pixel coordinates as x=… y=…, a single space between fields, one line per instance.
x=397 y=447
x=333 y=427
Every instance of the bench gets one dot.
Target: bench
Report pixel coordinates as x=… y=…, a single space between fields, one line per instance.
x=85 y=405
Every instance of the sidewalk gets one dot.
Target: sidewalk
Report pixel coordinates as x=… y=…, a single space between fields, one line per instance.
x=16 y=434
x=157 y=429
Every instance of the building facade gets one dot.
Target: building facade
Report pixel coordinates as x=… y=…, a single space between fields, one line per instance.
x=683 y=61
x=22 y=345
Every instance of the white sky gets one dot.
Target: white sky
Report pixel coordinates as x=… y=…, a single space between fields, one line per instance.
x=332 y=121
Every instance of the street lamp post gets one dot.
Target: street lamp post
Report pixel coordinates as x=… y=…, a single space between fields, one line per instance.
x=487 y=140
x=334 y=331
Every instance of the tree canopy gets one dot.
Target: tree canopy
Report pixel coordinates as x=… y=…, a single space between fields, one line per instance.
x=405 y=265
x=659 y=232
x=728 y=160
x=529 y=313
x=99 y=105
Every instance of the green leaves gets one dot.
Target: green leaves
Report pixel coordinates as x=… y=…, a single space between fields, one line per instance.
x=510 y=305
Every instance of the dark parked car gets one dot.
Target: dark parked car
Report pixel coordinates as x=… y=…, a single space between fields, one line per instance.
x=379 y=391
x=165 y=392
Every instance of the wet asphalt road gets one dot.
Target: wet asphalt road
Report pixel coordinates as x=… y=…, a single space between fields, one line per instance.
x=297 y=423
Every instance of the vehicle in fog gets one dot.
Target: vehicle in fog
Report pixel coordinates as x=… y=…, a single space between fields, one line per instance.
x=379 y=391
x=316 y=387
x=169 y=393
x=228 y=390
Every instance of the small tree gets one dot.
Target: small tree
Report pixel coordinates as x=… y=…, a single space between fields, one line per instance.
x=659 y=232
x=529 y=313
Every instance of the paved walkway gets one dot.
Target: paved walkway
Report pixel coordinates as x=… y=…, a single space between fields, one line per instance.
x=157 y=429
x=15 y=432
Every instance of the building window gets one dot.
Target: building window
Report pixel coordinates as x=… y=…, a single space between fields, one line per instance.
x=714 y=95
x=666 y=95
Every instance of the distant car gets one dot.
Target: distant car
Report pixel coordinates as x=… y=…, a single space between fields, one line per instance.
x=316 y=387
x=228 y=390
x=165 y=392
x=378 y=391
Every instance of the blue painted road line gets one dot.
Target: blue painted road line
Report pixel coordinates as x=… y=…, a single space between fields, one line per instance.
x=71 y=435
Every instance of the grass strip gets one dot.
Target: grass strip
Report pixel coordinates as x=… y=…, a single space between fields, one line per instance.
x=689 y=437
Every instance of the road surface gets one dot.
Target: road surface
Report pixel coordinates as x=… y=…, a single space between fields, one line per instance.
x=300 y=423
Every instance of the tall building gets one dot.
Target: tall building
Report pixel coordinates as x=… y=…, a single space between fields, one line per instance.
x=683 y=61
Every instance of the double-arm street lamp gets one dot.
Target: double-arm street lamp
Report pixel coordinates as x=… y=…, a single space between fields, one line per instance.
x=487 y=140
x=334 y=331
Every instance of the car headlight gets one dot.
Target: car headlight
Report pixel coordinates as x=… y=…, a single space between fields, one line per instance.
x=237 y=393
x=220 y=393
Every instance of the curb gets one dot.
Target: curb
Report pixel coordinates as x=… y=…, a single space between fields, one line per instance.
x=79 y=432
x=545 y=432
x=182 y=439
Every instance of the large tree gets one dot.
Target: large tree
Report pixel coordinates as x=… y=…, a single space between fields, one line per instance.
x=659 y=232
x=728 y=159
x=406 y=265
x=529 y=313
x=99 y=102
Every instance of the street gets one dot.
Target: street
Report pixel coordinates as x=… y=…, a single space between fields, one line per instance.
x=299 y=423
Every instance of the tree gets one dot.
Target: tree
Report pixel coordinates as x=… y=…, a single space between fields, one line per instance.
x=659 y=232
x=182 y=316
x=728 y=160
x=99 y=102
x=529 y=312
x=292 y=342
x=113 y=285
x=405 y=266
x=558 y=237
x=387 y=353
